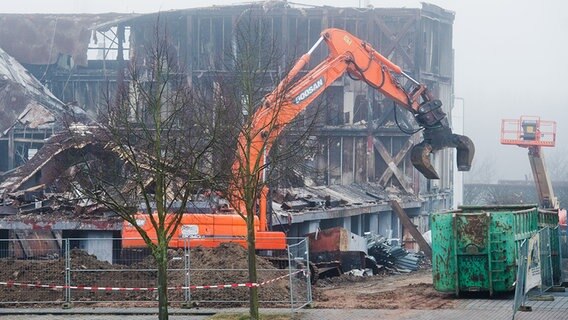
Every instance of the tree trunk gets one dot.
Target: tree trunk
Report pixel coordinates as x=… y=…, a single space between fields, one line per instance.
x=162 y=262
x=253 y=297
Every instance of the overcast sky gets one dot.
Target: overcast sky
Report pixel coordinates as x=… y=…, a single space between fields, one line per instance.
x=511 y=60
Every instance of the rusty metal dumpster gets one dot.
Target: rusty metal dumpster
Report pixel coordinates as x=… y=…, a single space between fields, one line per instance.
x=475 y=248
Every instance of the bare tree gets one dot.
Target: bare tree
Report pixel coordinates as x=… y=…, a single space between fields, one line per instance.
x=557 y=164
x=482 y=171
x=253 y=123
x=155 y=141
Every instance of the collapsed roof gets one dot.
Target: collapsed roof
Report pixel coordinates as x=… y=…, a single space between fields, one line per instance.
x=23 y=99
x=43 y=39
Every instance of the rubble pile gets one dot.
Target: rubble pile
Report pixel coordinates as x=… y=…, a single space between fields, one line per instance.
x=209 y=266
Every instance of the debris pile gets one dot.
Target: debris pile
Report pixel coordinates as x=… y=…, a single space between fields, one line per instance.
x=391 y=256
x=225 y=264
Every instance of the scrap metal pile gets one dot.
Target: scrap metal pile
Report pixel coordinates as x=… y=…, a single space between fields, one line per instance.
x=389 y=255
x=336 y=251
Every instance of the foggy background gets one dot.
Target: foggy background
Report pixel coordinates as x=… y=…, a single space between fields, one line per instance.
x=510 y=60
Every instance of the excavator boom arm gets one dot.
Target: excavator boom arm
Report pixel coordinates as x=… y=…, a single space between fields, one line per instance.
x=348 y=54
x=279 y=109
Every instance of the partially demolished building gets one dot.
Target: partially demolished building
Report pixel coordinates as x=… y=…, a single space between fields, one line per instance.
x=363 y=157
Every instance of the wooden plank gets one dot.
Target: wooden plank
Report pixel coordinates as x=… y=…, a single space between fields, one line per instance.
x=424 y=246
x=395 y=39
x=392 y=167
x=399 y=157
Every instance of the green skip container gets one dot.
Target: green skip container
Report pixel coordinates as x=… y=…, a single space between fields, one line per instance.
x=475 y=248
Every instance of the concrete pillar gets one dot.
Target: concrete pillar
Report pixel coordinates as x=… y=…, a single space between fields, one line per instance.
x=347 y=223
x=313 y=226
x=359 y=227
x=308 y=227
x=374 y=222
x=385 y=223
x=11 y=150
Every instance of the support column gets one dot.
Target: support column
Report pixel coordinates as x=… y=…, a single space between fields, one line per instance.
x=313 y=226
x=309 y=227
x=370 y=140
x=374 y=222
x=359 y=229
x=385 y=223
x=347 y=223
x=11 y=150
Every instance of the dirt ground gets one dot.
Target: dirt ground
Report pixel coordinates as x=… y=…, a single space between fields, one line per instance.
x=222 y=265
x=212 y=266
x=401 y=291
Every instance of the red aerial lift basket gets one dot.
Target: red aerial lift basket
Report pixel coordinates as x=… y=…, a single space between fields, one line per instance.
x=528 y=131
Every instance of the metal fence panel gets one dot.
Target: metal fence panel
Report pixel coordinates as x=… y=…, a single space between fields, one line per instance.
x=92 y=269
x=556 y=255
x=519 y=299
x=300 y=286
x=546 y=238
x=89 y=271
x=563 y=253
x=227 y=266
x=545 y=260
x=32 y=264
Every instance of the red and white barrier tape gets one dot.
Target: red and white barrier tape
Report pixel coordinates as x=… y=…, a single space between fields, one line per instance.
x=280 y=278
x=96 y=288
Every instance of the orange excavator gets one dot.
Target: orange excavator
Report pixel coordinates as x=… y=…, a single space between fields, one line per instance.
x=347 y=55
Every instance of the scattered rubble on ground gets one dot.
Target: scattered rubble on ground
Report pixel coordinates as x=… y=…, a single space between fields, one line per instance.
x=386 y=291
x=389 y=289
x=337 y=251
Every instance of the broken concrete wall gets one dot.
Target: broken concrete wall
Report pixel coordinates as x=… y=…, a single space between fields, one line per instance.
x=47 y=39
x=360 y=140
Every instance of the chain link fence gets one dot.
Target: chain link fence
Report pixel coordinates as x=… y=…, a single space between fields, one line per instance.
x=91 y=271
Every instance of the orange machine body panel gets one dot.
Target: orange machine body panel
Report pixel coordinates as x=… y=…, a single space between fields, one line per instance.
x=206 y=230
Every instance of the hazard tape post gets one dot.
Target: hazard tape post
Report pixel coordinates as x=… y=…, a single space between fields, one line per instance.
x=84 y=277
